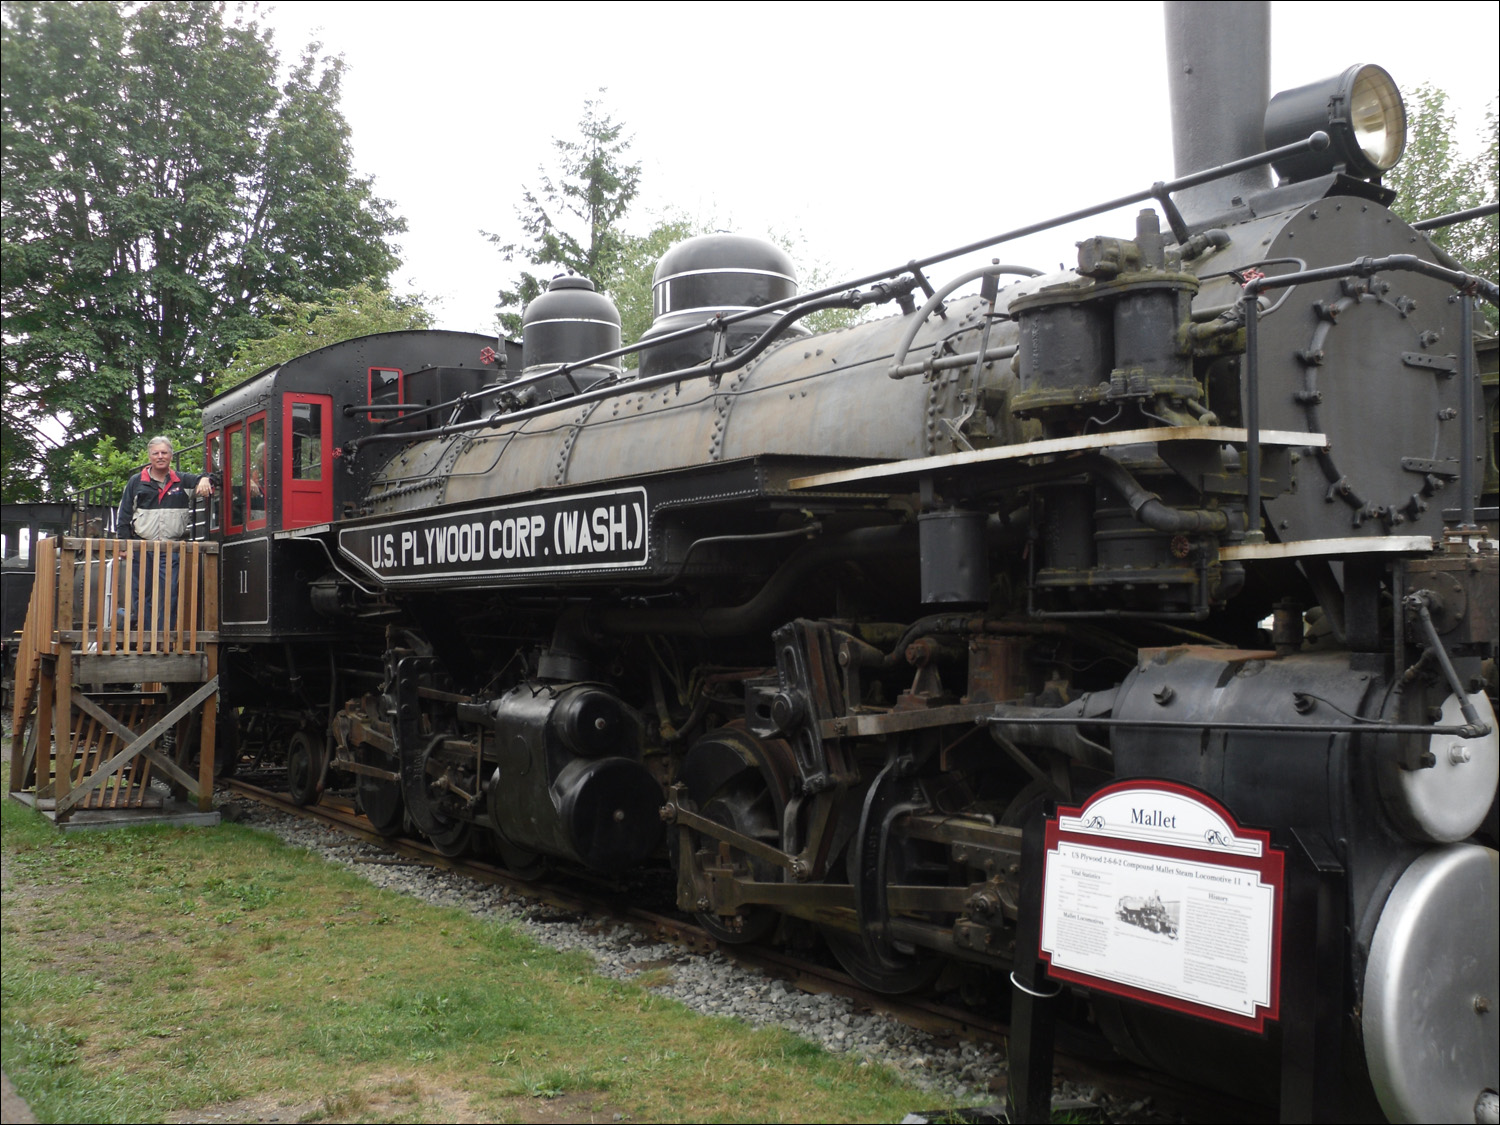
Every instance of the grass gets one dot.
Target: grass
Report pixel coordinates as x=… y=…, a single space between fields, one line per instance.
x=155 y=971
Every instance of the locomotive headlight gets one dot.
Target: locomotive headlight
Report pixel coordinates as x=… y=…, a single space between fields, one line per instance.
x=1360 y=109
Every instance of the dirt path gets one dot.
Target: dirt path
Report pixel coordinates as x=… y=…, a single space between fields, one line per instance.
x=13 y=1108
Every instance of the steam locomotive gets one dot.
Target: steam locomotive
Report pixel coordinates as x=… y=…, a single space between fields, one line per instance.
x=827 y=619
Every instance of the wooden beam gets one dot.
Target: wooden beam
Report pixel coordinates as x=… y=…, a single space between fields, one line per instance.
x=207 y=747
x=142 y=668
x=135 y=743
x=62 y=719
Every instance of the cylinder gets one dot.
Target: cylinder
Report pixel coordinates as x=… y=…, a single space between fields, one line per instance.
x=955 y=560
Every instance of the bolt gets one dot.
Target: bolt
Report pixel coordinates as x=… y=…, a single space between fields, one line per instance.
x=701 y=906
x=1481 y=1004
x=1458 y=754
x=1163 y=695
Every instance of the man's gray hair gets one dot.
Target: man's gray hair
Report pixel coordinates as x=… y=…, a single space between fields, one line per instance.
x=159 y=439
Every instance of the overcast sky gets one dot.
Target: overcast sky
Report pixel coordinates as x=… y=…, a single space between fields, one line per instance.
x=877 y=134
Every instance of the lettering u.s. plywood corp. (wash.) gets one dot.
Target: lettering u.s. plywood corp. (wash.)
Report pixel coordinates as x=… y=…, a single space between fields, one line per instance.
x=596 y=531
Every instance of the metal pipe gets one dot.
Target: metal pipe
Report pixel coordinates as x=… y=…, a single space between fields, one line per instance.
x=766 y=608
x=948 y=362
x=1418 y=600
x=1372 y=727
x=898 y=359
x=1466 y=392
x=1149 y=508
x=1365 y=267
x=1253 y=533
x=1457 y=217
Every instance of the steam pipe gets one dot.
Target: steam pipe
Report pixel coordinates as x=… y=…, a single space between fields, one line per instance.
x=1149 y=508
x=765 y=610
x=900 y=369
x=1457 y=217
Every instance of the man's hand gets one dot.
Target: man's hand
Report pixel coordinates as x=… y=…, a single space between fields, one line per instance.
x=205 y=488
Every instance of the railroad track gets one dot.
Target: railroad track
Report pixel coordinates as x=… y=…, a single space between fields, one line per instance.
x=1170 y=1099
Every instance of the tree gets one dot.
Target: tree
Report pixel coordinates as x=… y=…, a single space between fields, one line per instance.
x=1434 y=179
x=573 y=222
x=629 y=287
x=160 y=193
x=298 y=327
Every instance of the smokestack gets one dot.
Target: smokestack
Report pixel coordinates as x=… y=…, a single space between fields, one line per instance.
x=1219 y=67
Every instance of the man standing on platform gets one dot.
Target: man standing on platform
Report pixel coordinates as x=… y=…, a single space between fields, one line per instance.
x=157 y=505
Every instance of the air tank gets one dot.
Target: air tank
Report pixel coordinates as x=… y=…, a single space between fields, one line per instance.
x=569 y=322
x=710 y=275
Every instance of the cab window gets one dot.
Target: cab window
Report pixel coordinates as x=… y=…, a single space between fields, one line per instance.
x=213 y=465
x=386 y=386
x=255 y=465
x=234 y=480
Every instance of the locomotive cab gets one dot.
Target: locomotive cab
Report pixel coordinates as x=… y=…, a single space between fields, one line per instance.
x=277 y=441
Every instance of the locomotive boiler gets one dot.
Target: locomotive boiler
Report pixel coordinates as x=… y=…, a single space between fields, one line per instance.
x=827 y=619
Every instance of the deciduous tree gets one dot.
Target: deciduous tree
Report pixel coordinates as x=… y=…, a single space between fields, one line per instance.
x=161 y=191
x=1434 y=178
x=298 y=327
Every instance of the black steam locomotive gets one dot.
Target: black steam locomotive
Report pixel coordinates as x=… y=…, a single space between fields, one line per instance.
x=827 y=619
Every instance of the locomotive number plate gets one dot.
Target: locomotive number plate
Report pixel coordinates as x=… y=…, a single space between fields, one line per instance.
x=594 y=531
x=1154 y=892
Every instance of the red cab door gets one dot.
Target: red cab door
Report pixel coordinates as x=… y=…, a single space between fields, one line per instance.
x=307 y=460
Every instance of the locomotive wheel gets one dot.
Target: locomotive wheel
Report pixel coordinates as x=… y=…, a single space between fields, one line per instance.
x=915 y=968
x=449 y=835
x=738 y=780
x=876 y=857
x=745 y=806
x=380 y=799
x=304 y=768
x=453 y=840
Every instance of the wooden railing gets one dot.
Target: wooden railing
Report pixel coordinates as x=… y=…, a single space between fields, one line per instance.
x=102 y=615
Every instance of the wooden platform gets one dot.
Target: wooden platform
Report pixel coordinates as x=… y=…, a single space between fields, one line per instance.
x=103 y=704
x=156 y=808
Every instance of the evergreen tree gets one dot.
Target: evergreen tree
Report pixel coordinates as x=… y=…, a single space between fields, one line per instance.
x=572 y=222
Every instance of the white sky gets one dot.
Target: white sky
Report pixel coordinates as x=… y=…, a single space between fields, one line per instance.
x=879 y=134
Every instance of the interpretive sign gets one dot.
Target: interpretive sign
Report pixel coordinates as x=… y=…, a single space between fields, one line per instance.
x=1152 y=891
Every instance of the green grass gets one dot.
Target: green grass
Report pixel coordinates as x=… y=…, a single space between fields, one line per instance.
x=155 y=971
